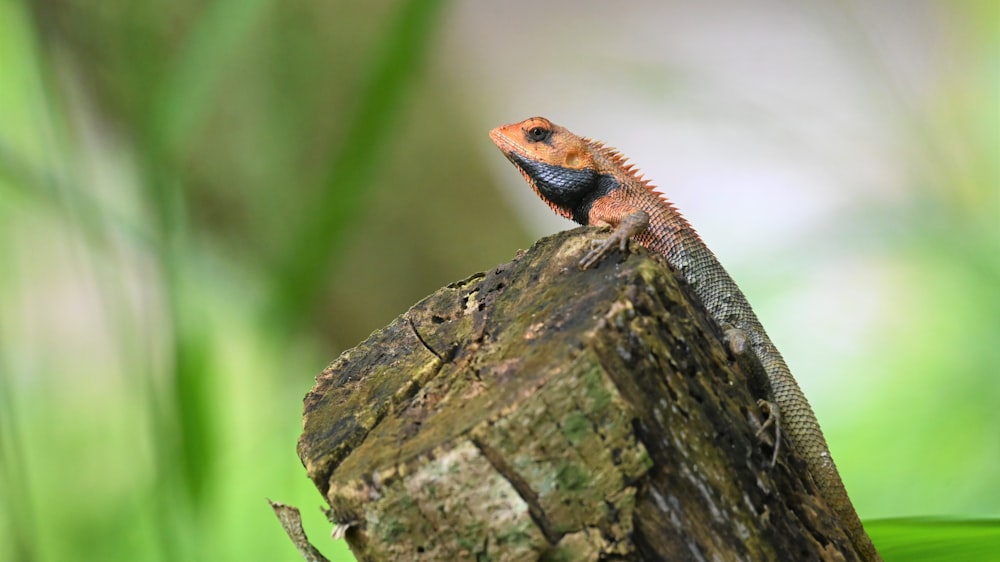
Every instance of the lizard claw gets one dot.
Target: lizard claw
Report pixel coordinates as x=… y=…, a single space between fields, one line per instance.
x=773 y=418
x=603 y=248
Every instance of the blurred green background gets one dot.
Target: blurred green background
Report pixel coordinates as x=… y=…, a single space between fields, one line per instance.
x=202 y=204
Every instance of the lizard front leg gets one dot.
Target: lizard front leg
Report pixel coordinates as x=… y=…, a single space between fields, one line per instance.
x=626 y=221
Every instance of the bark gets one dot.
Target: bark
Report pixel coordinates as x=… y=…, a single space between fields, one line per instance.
x=541 y=412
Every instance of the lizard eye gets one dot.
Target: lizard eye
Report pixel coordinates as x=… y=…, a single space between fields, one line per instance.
x=538 y=134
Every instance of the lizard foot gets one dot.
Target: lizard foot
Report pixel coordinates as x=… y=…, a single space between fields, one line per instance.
x=634 y=222
x=773 y=418
x=736 y=339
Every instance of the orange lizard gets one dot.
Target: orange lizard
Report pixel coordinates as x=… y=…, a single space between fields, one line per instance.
x=592 y=184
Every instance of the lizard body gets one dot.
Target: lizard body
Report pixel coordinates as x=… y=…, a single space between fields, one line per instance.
x=592 y=184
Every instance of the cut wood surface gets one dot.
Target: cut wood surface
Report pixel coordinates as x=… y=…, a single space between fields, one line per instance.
x=541 y=412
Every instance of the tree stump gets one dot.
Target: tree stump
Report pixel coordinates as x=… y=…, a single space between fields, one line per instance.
x=541 y=412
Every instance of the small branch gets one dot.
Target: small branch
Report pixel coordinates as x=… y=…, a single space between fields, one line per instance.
x=291 y=522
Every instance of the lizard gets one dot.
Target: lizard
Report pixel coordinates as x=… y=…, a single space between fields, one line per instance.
x=592 y=184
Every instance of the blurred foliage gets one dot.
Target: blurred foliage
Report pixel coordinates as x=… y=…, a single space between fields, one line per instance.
x=224 y=196
x=938 y=353
x=201 y=204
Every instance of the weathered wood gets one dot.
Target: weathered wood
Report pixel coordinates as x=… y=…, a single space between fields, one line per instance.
x=538 y=411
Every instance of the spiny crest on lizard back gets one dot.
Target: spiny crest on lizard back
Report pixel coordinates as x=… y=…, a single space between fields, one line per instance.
x=621 y=162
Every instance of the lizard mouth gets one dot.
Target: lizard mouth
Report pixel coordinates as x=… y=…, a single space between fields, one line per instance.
x=509 y=149
x=501 y=140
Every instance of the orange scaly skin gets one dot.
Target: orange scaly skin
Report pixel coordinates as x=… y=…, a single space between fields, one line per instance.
x=592 y=184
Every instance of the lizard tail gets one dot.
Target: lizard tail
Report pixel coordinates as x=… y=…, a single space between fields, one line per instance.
x=806 y=437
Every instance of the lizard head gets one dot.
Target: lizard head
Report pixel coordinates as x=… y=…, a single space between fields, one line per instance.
x=541 y=140
x=557 y=164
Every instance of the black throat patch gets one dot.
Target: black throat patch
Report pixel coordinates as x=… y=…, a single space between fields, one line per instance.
x=564 y=187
